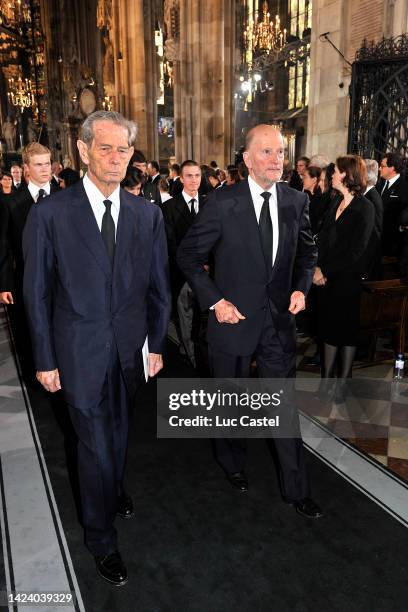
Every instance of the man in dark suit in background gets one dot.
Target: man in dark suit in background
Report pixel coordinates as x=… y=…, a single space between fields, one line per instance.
x=56 y=170
x=95 y=285
x=175 y=185
x=151 y=190
x=37 y=161
x=374 y=248
x=179 y=214
x=296 y=180
x=394 y=193
x=17 y=174
x=264 y=255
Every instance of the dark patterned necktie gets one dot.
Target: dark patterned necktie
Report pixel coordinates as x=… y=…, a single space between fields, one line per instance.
x=108 y=231
x=192 y=209
x=265 y=229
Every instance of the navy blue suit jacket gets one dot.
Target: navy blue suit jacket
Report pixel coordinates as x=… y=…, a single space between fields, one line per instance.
x=227 y=227
x=77 y=306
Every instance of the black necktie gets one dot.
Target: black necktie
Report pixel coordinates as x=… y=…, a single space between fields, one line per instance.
x=192 y=210
x=41 y=194
x=108 y=231
x=265 y=229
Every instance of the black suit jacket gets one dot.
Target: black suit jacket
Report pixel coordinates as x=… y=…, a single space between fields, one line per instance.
x=11 y=250
x=227 y=227
x=343 y=244
x=78 y=306
x=176 y=187
x=177 y=220
x=395 y=199
x=151 y=190
x=374 y=249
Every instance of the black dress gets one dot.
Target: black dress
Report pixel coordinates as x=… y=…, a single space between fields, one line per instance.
x=342 y=246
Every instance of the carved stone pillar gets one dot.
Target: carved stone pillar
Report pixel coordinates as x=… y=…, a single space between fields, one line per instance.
x=203 y=52
x=137 y=99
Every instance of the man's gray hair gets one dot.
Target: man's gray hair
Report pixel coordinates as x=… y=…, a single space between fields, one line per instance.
x=87 y=133
x=320 y=161
x=372 y=171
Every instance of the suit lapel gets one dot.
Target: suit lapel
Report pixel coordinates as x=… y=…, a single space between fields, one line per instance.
x=85 y=223
x=24 y=201
x=183 y=209
x=126 y=226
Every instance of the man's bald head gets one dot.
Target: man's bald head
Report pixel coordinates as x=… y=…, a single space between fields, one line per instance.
x=257 y=130
x=264 y=154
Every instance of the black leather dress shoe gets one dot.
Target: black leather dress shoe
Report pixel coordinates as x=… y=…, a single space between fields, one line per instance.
x=125 y=507
x=307 y=507
x=112 y=569
x=238 y=480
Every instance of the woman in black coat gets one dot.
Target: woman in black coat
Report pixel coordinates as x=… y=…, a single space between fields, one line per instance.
x=342 y=244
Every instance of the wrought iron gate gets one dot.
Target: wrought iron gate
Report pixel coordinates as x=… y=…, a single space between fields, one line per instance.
x=379 y=99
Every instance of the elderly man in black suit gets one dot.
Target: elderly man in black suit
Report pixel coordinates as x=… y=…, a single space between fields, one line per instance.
x=264 y=255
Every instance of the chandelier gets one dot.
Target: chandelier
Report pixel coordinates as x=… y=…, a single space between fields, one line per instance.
x=21 y=93
x=264 y=35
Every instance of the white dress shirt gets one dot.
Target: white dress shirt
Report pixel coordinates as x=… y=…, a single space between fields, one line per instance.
x=165 y=196
x=34 y=190
x=258 y=201
x=188 y=199
x=96 y=199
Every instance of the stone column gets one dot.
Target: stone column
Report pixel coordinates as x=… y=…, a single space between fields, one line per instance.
x=203 y=105
x=135 y=89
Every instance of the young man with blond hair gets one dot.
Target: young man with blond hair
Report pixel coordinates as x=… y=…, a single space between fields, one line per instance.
x=37 y=164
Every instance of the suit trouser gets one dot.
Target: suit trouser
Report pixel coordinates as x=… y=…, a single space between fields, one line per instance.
x=21 y=334
x=189 y=320
x=272 y=362
x=102 y=446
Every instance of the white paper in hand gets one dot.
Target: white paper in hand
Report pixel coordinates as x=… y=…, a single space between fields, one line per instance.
x=145 y=354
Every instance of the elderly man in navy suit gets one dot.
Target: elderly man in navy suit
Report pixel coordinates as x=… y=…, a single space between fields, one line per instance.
x=95 y=285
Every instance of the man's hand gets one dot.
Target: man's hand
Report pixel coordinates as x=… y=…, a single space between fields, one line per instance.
x=318 y=278
x=49 y=380
x=297 y=302
x=155 y=362
x=227 y=312
x=6 y=297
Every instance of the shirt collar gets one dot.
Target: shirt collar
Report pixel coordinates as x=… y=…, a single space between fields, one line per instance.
x=95 y=195
x=368 y=189
x=188 y=198
x=392 y=180
x=34 y=189
x=256 y=190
